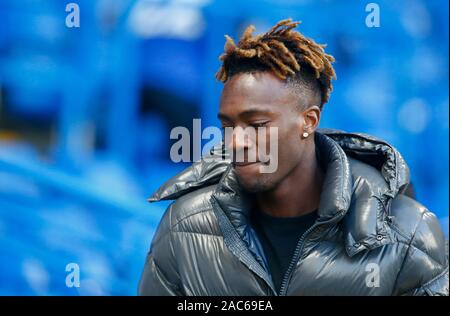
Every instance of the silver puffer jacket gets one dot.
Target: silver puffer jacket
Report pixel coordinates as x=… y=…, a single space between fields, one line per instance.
x=370 y=238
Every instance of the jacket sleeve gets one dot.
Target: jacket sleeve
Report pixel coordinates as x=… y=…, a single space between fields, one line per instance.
x=160 y=276
x=425 y=267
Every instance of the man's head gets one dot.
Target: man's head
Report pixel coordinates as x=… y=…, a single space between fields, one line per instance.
x=278 y=79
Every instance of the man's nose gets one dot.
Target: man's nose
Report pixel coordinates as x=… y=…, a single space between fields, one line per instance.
x=242 y=139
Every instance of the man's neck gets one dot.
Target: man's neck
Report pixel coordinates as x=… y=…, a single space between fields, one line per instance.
x=299 y=193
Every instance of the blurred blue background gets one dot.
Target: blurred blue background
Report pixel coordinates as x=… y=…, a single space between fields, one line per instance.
x=85 y=116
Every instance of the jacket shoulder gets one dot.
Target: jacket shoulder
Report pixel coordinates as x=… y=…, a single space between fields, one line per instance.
x=416 y=224
x=425 y=265
x=193 y=212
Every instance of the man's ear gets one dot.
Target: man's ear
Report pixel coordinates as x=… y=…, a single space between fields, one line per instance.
x=311 y=117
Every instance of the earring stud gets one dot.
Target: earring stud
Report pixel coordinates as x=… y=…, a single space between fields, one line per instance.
x=305 y=134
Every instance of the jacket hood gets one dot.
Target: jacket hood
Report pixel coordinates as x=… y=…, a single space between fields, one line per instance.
x=365 y=148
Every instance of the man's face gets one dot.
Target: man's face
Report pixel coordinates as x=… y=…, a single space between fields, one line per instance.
x=262 y=100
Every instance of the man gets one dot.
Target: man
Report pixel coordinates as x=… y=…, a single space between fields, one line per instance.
x=332 y=219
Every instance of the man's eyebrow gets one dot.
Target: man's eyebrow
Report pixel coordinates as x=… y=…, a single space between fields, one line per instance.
x=251 y=111
x=246 y=113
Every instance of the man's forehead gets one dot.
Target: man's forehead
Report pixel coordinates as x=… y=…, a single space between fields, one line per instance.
x=258 y=88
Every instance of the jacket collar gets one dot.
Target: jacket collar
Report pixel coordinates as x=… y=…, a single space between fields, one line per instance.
x=376 y=153
x=337 y=186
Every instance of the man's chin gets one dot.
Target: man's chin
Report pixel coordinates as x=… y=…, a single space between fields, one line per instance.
x=253 y=185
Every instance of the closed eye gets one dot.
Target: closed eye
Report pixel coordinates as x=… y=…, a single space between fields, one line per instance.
x=259 y=124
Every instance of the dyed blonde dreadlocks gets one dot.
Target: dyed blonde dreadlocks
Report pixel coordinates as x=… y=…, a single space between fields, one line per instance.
x=283 y=51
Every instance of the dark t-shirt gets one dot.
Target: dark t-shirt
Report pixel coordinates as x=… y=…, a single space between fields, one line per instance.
x=279 y=237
